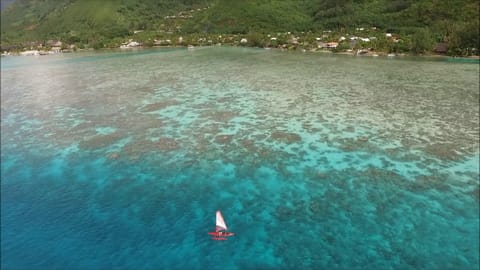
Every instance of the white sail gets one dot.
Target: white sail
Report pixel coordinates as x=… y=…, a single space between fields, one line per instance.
x=221 y=225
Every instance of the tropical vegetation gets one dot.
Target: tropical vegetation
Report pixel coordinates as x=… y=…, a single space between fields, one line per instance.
x=417 y=26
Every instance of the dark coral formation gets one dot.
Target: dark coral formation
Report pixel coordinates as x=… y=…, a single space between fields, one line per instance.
x=223 y=139
x=158 y=106
x=476 y=193
x=443 y=151
x=316 y=207
x=113 y=155
x=99 y=141
x=137 y=147
x=249 y=145
x=356 y=144
x=284 y=213
x=286 y=137
x=219 y=116
x=167 y=144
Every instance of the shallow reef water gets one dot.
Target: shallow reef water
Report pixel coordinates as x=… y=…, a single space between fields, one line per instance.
x=119 y=160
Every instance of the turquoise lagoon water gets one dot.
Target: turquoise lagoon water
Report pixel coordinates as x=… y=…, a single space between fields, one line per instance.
x=119 y=160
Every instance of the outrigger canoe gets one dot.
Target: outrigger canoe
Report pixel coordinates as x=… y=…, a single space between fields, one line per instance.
x=220 y=232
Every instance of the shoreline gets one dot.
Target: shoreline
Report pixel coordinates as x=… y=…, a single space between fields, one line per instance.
x=358 y=53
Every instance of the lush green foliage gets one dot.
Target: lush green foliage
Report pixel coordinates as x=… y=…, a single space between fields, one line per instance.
x=232 y=16
x=421 y=24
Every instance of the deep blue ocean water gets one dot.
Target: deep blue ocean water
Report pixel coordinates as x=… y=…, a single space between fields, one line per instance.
x=119 y=160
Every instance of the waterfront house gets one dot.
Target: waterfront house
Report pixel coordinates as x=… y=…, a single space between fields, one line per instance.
x=130 y=44
x=332 y=45
x=31 y=52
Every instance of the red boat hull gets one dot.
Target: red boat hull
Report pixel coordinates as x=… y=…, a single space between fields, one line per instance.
x=221 y=235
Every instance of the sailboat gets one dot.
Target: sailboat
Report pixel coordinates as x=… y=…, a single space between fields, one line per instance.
x=220 y=232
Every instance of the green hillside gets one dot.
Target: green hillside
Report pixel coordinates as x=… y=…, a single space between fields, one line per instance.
x=231 y=16
x=27 y=20
x=455 y=22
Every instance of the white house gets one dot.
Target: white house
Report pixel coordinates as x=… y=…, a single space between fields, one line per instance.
x=328 y=45
x=332 y=45
x=33 y=52
x=133 y=44
x=130 y=44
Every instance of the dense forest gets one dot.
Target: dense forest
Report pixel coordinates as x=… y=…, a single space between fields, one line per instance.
x=106 y=23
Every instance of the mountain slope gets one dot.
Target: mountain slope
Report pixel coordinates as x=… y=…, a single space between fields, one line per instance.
x=27 y=20
x=87 y=21
x=230 y=16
